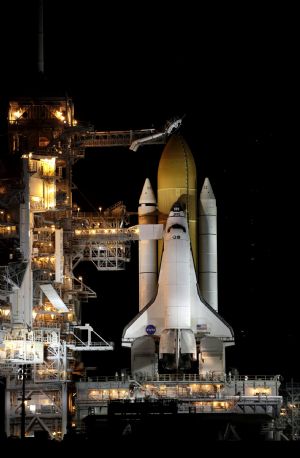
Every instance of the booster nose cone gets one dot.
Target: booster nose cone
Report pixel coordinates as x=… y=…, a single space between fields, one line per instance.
x=147 y=209
x=147 y=195
x=207 y=191
x=207 y=200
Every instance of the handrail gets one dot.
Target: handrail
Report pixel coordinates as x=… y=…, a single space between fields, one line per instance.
x=217 y=377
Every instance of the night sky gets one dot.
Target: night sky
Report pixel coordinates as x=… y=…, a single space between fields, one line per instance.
x=232 y=73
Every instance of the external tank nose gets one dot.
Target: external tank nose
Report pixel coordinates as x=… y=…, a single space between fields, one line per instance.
x=177 y=181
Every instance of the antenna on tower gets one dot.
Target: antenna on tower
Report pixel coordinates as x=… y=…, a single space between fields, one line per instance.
x=41 y=38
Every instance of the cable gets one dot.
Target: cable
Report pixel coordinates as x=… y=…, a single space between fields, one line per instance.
x=85 y=198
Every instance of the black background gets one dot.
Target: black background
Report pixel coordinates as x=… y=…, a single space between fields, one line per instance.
x=232 y=72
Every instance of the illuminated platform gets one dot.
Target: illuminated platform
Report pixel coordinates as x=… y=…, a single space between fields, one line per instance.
x=227 y=402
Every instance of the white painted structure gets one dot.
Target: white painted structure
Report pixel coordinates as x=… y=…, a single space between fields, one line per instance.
x=147 y=248
x=59 y=255
x=208 y=257
x=54 y=298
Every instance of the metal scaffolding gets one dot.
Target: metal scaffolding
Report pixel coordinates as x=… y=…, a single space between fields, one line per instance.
x=37 y=283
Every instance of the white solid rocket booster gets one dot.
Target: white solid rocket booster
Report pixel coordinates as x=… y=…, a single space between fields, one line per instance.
x=147 y=212
x=208 y=258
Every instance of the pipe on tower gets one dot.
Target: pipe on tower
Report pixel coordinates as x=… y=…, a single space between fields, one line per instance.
x=41 y=38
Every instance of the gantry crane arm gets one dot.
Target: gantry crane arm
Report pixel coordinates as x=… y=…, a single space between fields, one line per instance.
x=131 y=138
x=171 y=126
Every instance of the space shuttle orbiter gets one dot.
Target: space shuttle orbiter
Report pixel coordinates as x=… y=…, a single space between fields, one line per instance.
x=177 y=319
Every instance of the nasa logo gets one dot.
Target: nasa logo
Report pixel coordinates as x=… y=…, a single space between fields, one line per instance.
x=150 y=329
